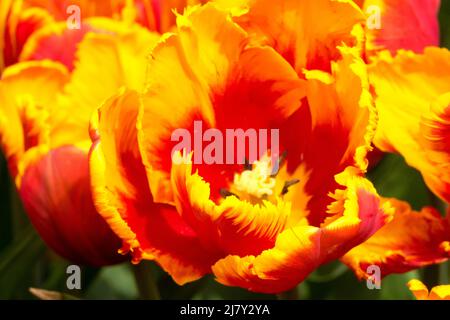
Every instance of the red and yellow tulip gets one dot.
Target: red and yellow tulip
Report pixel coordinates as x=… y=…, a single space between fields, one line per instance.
x=87 y=117
x=45 y=109
x=175 y=214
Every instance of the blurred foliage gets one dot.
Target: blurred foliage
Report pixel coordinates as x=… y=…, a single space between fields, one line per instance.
x=26 y=262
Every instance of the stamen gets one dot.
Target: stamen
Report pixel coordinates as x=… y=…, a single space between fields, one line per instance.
x=289 y=184
x=247 y=165
x=226 y=193
x=281 y=161
x=256 y=182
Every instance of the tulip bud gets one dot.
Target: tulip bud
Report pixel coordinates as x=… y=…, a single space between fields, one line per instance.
x=55 y=190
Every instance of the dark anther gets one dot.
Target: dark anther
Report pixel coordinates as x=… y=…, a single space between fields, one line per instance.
x=247 y=165
x=281 y=161
x=289 y=184
x=226 y=193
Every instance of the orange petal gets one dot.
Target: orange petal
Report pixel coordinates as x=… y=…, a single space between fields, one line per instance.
x=286 y=26
x=55 y=42
x=411 y=100
x=105 y=63
x=301 y=249
x=411 y=240
x=214 y=80
x=235 y=226
x=20 y=23
x=25 y=107
x=88 y=8
x=122 y=196
x=420 y=291
x=434 y=137
x=407 y=24
x=342 y=121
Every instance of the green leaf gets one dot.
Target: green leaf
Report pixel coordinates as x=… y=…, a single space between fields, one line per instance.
x=5 y=205
x=393 y=178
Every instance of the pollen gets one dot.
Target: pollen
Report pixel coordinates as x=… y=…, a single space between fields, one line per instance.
x=257 y=182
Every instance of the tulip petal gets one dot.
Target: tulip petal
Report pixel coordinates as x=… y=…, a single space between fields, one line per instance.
x=122 y=196
x=211 y=76
x=420 y=291
x=20 y=23
x=286 y=26
x=106 y=62
x=23 y=103
x=55 y=42
x=406 y=24
x=411 y=100
x=301 y=249
x=236 y=226
x=342 y=121
x=56 y=195
x=411 y=240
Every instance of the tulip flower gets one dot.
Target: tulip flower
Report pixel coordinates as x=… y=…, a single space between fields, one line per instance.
x=252 y=229
x=421 y=292
x=44 y=119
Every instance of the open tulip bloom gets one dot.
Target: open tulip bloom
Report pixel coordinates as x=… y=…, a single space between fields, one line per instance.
x=240 y=139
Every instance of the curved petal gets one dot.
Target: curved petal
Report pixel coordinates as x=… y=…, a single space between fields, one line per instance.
x=406 y=87
x=301 y=249
x=405 y=24
x=23 y=103
x=286 y=26
x=20 y=23
x=214 y=79
x=105 y=63
x=57 y=198
x=433 y=138
x=411 y=240
x=341 y=121
x=420 y=291
x=88 y=8
x=54 y=42
x=122 y=196
x=235 y=226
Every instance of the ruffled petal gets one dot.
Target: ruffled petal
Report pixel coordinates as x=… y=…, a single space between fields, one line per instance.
x=213 y=80
x=25 y=107
x=408 y=24
x=122 y=196
x=105 y=63
x=334 y=131
x=286 y=26
x=18 y=22
x=411 y=240
x=433 y=138
x=357 y=215
x=235 y=226
x=411 y=100
x=420 y=291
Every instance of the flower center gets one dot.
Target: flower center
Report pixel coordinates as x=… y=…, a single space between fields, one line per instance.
x=257 y=182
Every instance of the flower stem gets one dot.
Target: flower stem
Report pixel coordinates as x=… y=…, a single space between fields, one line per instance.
x=145 y=281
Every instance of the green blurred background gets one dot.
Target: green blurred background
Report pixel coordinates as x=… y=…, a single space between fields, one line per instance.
x=26 y=262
